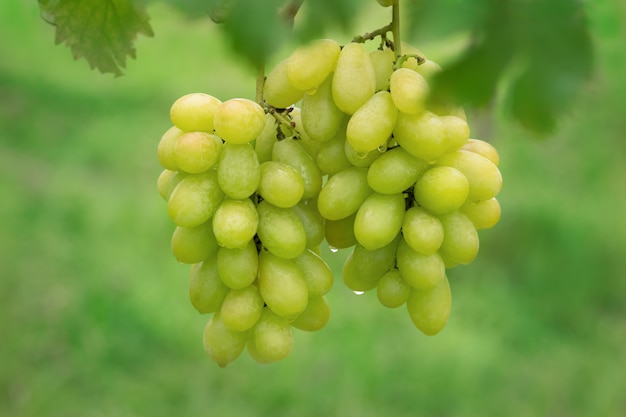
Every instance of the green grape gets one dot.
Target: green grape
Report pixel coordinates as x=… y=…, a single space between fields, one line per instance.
x=392 y=290
x=484 y=214
x=194 y=112
x=239 y=120
x=282 y=285
x=316 y=273
x=193 y=245
x=409 y=90
x=379 y=220
x=242 y=308
x=457 y=130
x=196 y=152
x=422 y=135
x=331 y=157
x=382 y=61
x=291 y=153
x=411 y=62
x=394 y=171
x=165 y=149
x=312 y=220
x=360 y=159
x=277 y=91
x=354 y=80
x=271 y=339
x=422 y=231
x=280 y=184
x=163 y=183
x=206 y=289
x=428 y=69
x=309 y=65
x=429 y=310
x=238 y=268
x=343 y=193
x=264 y=143
x=484 y=149
x=310 y=145
x=418 y=270
x=340 y=233
x=239 y=171
x=315 y=316
x=485 y=180
x=280 y=230
x=195 y=199
x=363 y=268
x=460 y=239
x=173 y=182
x=321 y=118
x=235 y=223
x=222 y=344
x=371 y=124
x=441 y=189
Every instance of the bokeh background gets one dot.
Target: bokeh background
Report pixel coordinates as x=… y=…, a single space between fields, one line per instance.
x=94 y=312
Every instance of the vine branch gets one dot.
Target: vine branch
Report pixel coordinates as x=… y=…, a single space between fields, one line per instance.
x=290 y=10
x=395 y=28
x=371 y=35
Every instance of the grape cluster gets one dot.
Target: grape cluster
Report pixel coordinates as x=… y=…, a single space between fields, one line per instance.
x=346 y=147
x=246 y=223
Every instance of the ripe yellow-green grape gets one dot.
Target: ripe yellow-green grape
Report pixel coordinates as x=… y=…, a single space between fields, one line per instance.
x=354 y=80
x=378 y=220
x=321 y=118
x=239 y=120
x=172 y=183
x=392 y=290
x=457 y=130
x=264 y=143
x=280 y=230
x=484 y=214
x=165 y=149
x=409 y=90
x=222 y=344
x=163 y=183
x=418 y=270
x=242 y=308
x=238 y=268
x=309 y=65
x=312 y=220
x=483 y=148
x=441 y=189
x=195 y=199
x=422 y=231
x=310 y=145
x=364 y=268
x=277 y=90
x=282 y=285
x=316 y=273
x=460 y=239
x=206 y=289
x=194 y=112
x=422 y=135
x=411 y=62
x=429 y=310
x=331 y=157
x=235 y=223
x=485 y=180
x=195 y=244
x=196 y=152
x=315 y=316
x=371 y=124
x=361 y=159
x=343 y=193
x=291 y=153
x=340 y=233
x=280 y=184
x=271 y=339
x=238 y=170
x=382 y=61
x=394 y=171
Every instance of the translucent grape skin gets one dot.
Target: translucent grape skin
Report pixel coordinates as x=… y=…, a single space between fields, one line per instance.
x=238 y=268
x=343 y=193
x=280 y=230
x=392 y=290
x=290 y=152
x=194 y=112
x=394 y=171
x=316 y=273
x=235 y=223
x=206 y=289
x=315 y=316
x=460 y=242
x=483 y=148
x=165 y=149
x=277 y=91
x=363 y=268
x=371 y=124
x=429 y=310
x=442 y=189
x=282 y=285
x=354 y=80
x=280 y=184
x=484 y=214
x=163 y=183
x=340 y=233
x=485 y=180
x=271 y=339
x=422 y=231
x=321 y=118
x=313 y=222
x=242 y=308
x=197 y=152
x=422 y=135
x=379 y=219
x=195 y=199
x=222 y=344
x=239 y=120
x=309 y=65
x=331 y=157
x=382 y=61
x=239 y=171
x=418 y=270
x=409 y=90
x=193 y=245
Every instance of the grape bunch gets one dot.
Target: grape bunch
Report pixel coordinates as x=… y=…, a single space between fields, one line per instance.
x=345 y=147
x=246 y=224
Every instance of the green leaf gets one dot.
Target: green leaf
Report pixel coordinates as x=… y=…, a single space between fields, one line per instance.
x=101 y=31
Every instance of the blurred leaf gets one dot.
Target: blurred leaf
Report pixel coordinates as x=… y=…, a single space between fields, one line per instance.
x=432 y=20
x=317 y=16
x=101 y=31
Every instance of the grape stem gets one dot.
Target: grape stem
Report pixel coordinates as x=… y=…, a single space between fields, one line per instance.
x=371 y=35
x=290 y=10
x=395 y=28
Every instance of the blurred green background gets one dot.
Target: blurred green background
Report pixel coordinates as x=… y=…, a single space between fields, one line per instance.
x=94 y=312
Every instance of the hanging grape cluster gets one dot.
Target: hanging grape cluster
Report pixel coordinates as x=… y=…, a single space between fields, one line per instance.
x=347 y=148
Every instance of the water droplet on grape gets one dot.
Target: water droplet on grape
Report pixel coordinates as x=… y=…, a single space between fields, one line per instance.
x=333 y=249
x=382 y=148
x=362 y=155
x=359 y=292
